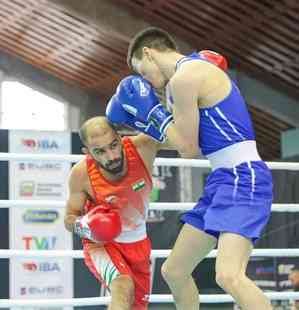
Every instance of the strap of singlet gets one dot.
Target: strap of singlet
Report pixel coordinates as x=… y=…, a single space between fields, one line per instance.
x=182 y=60
x=193 y=56
x=127 y=141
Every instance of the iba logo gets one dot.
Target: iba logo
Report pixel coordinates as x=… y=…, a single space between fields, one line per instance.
x=41 y=267
x=40 y=144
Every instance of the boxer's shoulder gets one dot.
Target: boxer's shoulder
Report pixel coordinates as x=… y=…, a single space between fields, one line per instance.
x=79 y=172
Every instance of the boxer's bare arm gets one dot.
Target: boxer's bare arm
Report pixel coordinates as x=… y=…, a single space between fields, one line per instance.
x=148 y=148
x=197 y=83
x=183 y=132
x=77 y=195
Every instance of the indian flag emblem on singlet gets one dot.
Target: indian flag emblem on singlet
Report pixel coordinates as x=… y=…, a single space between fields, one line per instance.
x=138 y=185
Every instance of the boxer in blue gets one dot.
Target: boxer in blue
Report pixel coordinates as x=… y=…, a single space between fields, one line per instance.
x=208 y=113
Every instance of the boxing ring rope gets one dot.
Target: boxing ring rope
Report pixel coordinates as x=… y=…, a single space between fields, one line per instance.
x=174 y=162
x=77 y=254
x=154 y=254
x=154 y=298
x=160 y=206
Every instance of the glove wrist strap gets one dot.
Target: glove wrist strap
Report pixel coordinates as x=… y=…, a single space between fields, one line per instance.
x=82 y=230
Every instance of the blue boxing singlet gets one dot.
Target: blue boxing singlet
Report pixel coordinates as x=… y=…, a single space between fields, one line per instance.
x=226 y=126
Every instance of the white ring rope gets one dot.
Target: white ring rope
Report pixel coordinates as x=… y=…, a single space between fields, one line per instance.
x=92 y=301
x=175 y=162
x=160 y=206
x=154 y=254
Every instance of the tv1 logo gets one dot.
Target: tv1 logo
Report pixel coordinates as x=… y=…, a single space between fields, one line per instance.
x=39 y=243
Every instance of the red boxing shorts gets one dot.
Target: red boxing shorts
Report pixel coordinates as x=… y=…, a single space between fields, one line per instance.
x=113 y=259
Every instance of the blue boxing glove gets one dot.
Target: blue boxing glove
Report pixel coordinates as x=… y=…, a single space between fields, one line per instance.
x=138 y=98
x=117 y=115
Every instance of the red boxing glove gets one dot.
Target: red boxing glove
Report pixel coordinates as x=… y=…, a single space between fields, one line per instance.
x=215 y=58
x=105 y=225
x=99 y=224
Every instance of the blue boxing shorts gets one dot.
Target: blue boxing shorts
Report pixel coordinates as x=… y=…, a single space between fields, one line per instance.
x=236 y=200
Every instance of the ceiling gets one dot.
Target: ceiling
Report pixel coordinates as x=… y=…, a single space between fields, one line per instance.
x=260 y=37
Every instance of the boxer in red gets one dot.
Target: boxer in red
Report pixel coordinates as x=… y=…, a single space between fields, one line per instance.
x=108 y=199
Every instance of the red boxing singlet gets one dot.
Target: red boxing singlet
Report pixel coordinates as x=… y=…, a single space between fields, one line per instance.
x=130 y=193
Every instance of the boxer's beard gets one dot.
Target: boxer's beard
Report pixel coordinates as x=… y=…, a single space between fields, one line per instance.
x=114 y=166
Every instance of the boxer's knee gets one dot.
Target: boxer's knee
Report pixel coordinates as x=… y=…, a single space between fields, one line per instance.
x=122 y=293
x=172 y=274
x=229 y=280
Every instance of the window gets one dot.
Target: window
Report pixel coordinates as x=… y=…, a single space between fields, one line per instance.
x=25 y=108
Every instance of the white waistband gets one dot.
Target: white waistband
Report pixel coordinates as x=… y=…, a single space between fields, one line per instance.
x=234 y=155
x=135 y=235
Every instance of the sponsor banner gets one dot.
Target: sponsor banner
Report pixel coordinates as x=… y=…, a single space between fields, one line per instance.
x=40 y=278
x=38 y=180
x=284 y=267
x=39 y=142
x=39 y=228
x=263 y=272
x=272 y=273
